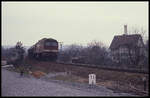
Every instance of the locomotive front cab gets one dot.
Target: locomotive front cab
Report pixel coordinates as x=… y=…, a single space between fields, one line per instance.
x=50 y=49
x=51 y=45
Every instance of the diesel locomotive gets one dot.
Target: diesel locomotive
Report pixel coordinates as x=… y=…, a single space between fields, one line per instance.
x=44 y=49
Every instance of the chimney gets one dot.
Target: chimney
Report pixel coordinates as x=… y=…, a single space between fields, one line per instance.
x=125 y=29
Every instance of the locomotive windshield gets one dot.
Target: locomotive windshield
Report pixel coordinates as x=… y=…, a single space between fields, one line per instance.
x=51 y=43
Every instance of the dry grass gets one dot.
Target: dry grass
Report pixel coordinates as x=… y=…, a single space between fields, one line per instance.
x=111 y=79
x=38 y=74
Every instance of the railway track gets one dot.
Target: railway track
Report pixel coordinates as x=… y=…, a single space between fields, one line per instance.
x=106 y=68
x=100 y=67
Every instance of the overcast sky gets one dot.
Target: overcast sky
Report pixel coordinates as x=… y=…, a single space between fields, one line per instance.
x=70 y=22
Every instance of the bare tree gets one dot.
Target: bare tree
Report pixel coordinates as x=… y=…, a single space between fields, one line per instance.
x=138 y=55
x=17 y=54
x=93 y=53
x=73 y=50
x=141 y=31
x=96 y=53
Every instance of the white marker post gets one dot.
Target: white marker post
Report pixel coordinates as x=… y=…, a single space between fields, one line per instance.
x=92 y=79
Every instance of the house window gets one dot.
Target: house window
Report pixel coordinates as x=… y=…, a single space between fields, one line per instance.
x=123 y=50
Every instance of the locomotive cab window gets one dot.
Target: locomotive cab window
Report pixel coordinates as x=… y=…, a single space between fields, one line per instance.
x=51 y=44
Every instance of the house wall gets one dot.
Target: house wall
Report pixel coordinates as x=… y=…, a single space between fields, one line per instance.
x=121 y=54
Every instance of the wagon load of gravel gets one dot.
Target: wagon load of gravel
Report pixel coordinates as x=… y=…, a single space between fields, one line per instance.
x=37 y=74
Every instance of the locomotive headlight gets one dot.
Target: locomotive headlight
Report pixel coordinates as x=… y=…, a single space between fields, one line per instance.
x=51 y=50
x=38 y=46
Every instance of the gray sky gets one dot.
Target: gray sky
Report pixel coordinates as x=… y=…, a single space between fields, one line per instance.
x=70 y=22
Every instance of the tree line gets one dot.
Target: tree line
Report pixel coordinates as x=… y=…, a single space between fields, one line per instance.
x=94 y=53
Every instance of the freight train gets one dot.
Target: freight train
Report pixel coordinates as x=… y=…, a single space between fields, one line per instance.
x=44 y=49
